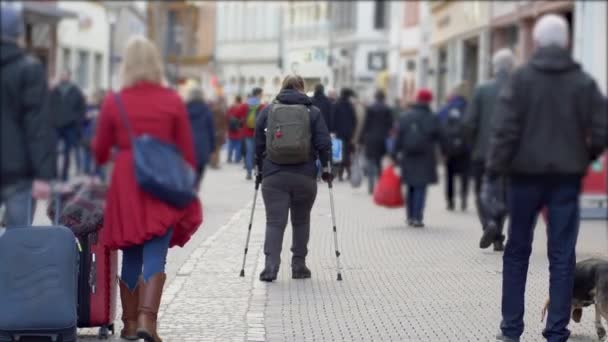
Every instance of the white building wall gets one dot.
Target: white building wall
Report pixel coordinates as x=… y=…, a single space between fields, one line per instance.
x=590 y=36
x=88 y=35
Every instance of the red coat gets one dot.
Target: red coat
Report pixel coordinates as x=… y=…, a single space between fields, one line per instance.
x=238 y=111
x=132 y=216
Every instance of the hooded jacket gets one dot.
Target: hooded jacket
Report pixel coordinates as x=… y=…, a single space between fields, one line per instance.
x=551 y=119
x=203 y=131
x=27 y=139
x=321 y=141
x=321 y=101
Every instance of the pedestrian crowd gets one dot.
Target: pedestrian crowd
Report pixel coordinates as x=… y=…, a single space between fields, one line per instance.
x=526 y=138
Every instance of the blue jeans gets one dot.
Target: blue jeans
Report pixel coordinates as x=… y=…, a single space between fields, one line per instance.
x=415 y=200
x=527 y=196
x=250 y=148
x=68 y=135
x=15 y=203
x=234 y=150
x=148 y=258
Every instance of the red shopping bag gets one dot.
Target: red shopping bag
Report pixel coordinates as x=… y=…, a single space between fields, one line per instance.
x=388 y=190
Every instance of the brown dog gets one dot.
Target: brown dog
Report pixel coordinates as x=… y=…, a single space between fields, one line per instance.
x=590 y=288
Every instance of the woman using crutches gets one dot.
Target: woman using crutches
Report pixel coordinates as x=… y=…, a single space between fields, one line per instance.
x=290 y=135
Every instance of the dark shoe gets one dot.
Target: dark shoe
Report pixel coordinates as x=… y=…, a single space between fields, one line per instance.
x=450 y=207
x=269 y=274
x=249 y=177
x=129 y=300
x=299 y=270
x=410 y=222
x=417 y=224
x=488 y=237
x=503 y=338
x=499 y=244
x=463 y=206
x=150 y=294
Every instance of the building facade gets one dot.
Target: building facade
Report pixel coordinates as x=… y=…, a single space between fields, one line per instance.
x=125 y=21
x=591 y=27
x=306 y=41
x=84 y=44
x=249 y=47
x=460 y=39
x=359 y=45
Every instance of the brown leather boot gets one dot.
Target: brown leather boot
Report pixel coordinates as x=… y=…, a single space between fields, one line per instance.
x=130 y=301
x=150 y=294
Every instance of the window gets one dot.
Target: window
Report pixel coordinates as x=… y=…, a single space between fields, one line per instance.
x=380 y=13
x=82 y=69
x=66 y=59
x=97 y=71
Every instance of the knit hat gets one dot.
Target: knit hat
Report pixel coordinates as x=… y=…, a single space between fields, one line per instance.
x=424 y=96
x=11 y=22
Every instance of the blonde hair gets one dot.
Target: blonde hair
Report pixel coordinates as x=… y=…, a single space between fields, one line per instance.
x=141 y=63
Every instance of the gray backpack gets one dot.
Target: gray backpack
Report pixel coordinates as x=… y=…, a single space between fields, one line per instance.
x=288 y=134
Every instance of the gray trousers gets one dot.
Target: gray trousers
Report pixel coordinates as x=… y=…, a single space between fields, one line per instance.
x=15 y=200
x=286 y=193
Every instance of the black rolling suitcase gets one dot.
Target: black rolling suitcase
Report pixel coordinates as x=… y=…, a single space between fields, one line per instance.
x=38 y=284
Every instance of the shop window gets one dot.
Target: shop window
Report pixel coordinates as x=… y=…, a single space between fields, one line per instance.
x=82 y=69
x=97 y=71
x=380 y=14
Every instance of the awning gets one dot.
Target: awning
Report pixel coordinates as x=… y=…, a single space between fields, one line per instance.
x=45 y=11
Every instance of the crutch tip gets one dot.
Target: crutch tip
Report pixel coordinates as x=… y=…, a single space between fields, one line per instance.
x=339 y=276
x=242 y=273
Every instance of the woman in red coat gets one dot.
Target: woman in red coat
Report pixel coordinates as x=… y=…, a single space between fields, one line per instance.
x=142 y=226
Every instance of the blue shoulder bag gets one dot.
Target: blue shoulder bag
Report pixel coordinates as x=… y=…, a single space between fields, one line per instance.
x=160 y=170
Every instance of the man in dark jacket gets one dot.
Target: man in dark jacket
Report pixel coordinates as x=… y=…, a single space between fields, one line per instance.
x=321 y=101
x=290 y=189
x=550 y=124
x=344 y=124
x=203 y=130
x=376 y=127
x=67 y=105
x=27 y=140
x=478 y=124
x=415 y=148
x=454 y=147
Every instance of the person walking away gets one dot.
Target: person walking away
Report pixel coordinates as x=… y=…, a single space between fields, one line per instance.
x=90 y=168
x=322 y=102
x=289 y=185
x=67 y=105
x=28 y=142
x=254 y=106
x=141 y=225
x=550 y=125
x=417 y=139
x=203 y=130
x=376 y=128
x=455 y=148
x=345 y=122
x=478 y=124
x=218 y=109
x=236 y=120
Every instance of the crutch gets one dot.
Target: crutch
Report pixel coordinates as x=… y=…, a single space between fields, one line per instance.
x=333 y=220
x=255 y=198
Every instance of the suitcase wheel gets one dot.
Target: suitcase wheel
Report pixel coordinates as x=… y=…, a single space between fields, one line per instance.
x=104 y=332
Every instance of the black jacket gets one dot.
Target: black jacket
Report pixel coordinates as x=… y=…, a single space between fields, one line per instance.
x=203 y=131
x=67 y=104
x=321 y=101
x=344 y=120
x=480 y=116
x=321 y=141
x=418 y=169
x=27 y=140
x=377 y=125
x=551 y=119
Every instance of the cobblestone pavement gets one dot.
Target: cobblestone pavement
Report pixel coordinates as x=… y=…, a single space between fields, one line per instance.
x=400 y=284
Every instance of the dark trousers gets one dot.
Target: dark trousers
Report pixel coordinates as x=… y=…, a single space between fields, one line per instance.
x=527 y=196
x=415 y=201
x=457 y=167
x=69 y=136
x=287 y=194
x=478 y=170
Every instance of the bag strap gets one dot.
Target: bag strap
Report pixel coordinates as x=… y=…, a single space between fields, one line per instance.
x=123 y=115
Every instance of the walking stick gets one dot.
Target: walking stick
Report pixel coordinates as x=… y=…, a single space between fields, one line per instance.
x=255 y=197
x=333 y=220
